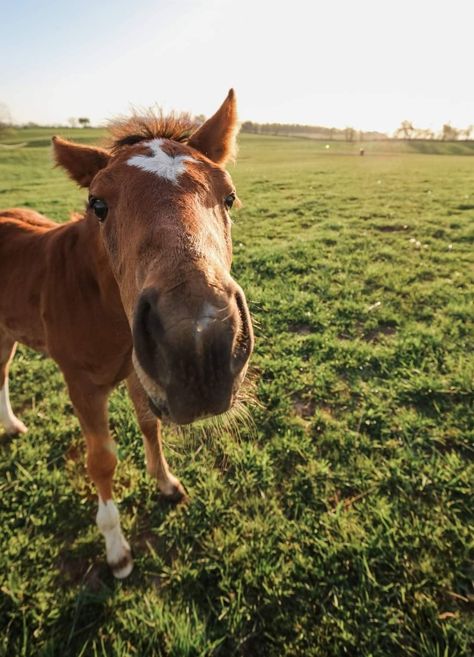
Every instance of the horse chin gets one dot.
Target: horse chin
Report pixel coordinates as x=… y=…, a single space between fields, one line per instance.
x=161 y=409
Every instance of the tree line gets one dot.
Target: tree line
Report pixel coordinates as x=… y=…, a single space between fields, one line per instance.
x=447 y=133
x=406 y=130
x=314 y=131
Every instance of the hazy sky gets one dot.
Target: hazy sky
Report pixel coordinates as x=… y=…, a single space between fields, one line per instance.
x=365 y=63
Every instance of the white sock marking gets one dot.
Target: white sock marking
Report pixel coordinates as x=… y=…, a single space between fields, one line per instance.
x=160 y=163
x=8 y=420
x=117 y=548
x=170 y=486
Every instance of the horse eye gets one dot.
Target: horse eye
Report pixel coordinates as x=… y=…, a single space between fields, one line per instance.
x=229 y=200
x=99 y=206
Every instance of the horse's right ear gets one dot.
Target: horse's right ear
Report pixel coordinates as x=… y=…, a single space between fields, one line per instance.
x=81 y=162
x=216 y=138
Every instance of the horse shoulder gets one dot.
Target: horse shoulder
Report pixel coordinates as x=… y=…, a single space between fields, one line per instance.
x=81 y=307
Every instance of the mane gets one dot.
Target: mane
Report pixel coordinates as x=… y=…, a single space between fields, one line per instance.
x=126 y=131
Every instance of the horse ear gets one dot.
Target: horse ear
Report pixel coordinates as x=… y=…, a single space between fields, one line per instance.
x=81 y=162
x=216 y=138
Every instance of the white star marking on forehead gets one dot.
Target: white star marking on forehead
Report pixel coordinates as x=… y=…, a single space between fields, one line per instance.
x=160 y=163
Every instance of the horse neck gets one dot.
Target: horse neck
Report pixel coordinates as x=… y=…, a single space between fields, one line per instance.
x=89 y=257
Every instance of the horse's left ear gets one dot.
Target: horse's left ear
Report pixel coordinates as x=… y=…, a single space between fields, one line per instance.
x=81 y=162
x=216 y=138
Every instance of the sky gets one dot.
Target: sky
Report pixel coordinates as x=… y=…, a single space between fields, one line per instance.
x=362 y=63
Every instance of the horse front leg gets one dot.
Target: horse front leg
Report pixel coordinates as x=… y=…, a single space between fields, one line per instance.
x=8 y=420
x=90 y=403
x=156 y=464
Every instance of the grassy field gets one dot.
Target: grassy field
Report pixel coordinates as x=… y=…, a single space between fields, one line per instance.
x=339 y=521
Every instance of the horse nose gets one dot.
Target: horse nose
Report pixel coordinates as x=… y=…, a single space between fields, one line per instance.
x=195 y=350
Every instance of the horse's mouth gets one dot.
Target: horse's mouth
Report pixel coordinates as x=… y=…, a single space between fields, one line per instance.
x=199 y=409
x=160 y=408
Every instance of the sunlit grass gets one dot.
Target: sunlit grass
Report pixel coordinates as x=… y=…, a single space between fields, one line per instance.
x=333 y=517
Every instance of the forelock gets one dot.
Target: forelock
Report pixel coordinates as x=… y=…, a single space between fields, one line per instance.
x=147 y=126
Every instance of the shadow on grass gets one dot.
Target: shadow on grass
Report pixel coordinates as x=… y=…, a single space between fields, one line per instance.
x=87 y=586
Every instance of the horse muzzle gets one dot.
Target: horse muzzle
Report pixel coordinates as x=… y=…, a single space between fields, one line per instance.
x=194 y=355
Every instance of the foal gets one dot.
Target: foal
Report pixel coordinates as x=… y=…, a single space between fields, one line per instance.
x=139 y=288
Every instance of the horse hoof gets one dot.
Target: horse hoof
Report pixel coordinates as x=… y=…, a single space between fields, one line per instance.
x=122 y=568
x=172 y=490
x=176 y=494
x=16 y=426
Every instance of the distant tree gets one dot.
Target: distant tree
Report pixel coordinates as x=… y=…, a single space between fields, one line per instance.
x=5 y=117
x=405 y=131
x=84 y=122
x=449 y=133
x=422 y=133
x=466 y=133
x=248 y=126
x=72 y=122
x=349 y=134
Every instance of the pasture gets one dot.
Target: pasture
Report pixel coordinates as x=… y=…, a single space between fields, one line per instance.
x=336 y=520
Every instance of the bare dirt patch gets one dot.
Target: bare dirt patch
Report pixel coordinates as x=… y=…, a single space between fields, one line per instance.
x=300 y=328
x=375 y=334
x=305 y=408
x=391 y=228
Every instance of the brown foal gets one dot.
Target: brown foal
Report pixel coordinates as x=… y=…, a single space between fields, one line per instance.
x=139 y=288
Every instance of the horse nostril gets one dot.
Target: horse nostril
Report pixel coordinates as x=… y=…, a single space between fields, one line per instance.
x=147 y=319
x=147 y=335
x=244 y=341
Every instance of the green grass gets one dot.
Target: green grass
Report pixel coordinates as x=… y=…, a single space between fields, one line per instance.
x=339 y=523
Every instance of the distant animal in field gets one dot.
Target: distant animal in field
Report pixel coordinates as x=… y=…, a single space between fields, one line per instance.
x=137 y=289
x=361 y=152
